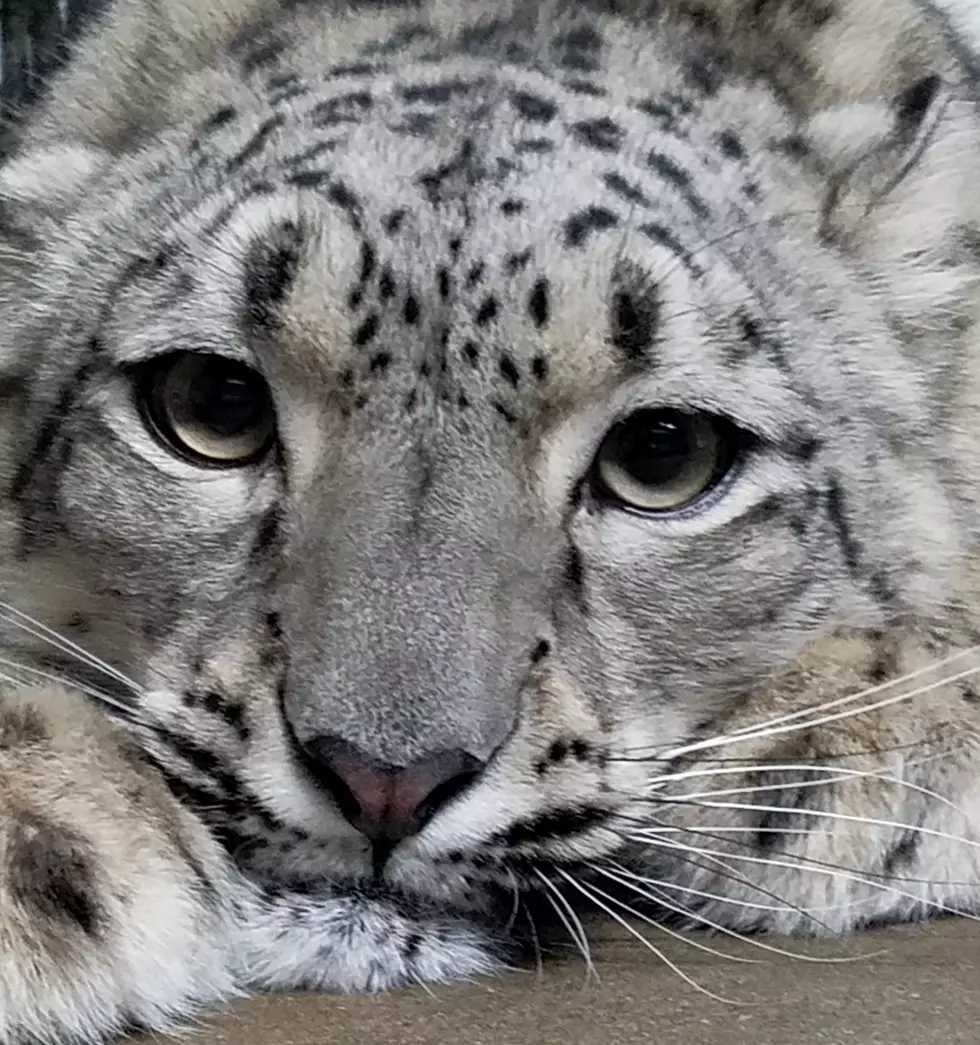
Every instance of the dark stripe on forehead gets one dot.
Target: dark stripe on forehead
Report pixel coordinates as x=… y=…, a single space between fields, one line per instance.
x=269 y=271
x=634 y=313
x=664 y=237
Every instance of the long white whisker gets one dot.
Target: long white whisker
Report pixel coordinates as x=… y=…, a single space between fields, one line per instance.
x=630 y=881
x=664 y=883
x=810 y=867
x=70 y=683
x=724 y=739
x=827 y=814
x=841 y=774
x=589 y=894
x=571 y=921
x=852 y=698
x=42 y=631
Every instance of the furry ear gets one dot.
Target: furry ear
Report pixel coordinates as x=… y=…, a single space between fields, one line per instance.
x=902 y=198
x=877 y=154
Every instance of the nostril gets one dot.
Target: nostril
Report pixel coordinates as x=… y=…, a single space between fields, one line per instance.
x=384 y=801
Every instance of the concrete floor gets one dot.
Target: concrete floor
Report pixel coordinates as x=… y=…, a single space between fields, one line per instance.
x=909 y=986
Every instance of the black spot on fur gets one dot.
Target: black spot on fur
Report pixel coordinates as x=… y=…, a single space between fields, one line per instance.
x=602 y=134
x=511 y=207
x=585 y=87
x=540 y=651
x=515 y=263
x=575 y=569
x=704 y=73
x=731 y=145
x=367 y=331
x=219 y=118
x=346 y=108
x=533 y=107
x=471 y=352
x=538 y=304
x=508 y=415
x=394 y=221
x=902 y=854
x=583 y=223
x=410 y=310
x=268 y=534
x=625 y=189
x=579 y=49
x=444 y=283
x=558 y=752
x=509 y=371
x=539 y=367
x=50 y=872
x=487 y=311
x=309 y=179
x=380 y=362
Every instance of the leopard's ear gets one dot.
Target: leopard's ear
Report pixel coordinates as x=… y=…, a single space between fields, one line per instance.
x=916 y=155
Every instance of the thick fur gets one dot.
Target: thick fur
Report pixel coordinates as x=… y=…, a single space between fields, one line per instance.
x=460 y=240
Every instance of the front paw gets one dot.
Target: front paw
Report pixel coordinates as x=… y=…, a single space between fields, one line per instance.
x=113 y=910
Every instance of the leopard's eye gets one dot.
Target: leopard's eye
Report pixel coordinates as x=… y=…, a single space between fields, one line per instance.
x=209 y=409
x=663 y=460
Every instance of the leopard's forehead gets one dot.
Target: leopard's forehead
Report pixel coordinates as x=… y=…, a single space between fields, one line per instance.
x=461 y=232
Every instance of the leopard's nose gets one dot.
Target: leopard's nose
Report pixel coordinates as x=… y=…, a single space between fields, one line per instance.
x=386 y=802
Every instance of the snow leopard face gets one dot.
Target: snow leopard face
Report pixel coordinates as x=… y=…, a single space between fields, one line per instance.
x=439 y=437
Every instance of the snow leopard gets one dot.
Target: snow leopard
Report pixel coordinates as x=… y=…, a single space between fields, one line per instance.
x=469 y=466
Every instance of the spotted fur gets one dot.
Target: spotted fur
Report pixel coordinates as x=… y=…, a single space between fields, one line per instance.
x=460 y=241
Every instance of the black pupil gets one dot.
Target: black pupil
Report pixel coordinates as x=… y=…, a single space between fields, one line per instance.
x=227 y=398
x=655 y=448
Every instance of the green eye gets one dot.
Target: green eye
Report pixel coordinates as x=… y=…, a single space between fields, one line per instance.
x=662 y=460
x=209 y=409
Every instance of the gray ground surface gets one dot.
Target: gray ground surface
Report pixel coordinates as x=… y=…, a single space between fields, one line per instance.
x=915 y=986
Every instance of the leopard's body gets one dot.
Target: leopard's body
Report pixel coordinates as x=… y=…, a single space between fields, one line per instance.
x=461 y=241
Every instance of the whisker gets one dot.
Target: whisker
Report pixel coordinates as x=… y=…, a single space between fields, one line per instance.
x=844 y=774
x=683 y=937
x=763 y=763
x=628 y=879
x=664 y=883
x=28 y=624
x=572 y=922
x=827 y=814
x=765 y=733
x=871 y=691
x=516 y=909
x=96 y=694
x=535 y=938
x=589 y=894
x=652 y=833
x=816 y=867
x=721 y=868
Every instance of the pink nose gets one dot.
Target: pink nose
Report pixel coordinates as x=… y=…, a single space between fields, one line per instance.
x=386 y=802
